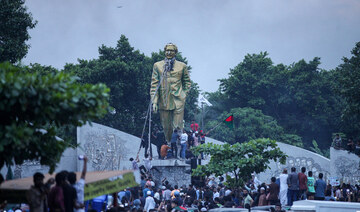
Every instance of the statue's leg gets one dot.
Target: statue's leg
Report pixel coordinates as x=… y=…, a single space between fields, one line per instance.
x=166 y=122
x=178 y=120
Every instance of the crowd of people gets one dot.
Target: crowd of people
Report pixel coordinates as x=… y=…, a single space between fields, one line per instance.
x=66 y=194
x=350 y=145
x=63 y=194
x=179 y=145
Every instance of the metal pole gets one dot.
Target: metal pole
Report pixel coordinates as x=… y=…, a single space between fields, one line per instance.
x=202 y=116
x=149 y=136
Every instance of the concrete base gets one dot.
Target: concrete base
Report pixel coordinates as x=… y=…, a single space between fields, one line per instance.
x=345 y=166
x=173 y=170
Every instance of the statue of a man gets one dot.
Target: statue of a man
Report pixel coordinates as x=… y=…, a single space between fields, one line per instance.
x=171 y=95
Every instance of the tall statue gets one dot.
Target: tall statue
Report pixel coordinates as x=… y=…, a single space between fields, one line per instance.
x=169 y=98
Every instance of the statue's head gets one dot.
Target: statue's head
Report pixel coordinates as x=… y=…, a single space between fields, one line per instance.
x=170 y=50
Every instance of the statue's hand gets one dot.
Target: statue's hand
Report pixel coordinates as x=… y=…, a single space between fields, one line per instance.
x=155 y=108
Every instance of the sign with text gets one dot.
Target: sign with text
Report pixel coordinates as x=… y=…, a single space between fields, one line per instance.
x=109 y=186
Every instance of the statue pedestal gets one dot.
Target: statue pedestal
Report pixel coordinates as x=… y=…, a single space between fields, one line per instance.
x=173 y=170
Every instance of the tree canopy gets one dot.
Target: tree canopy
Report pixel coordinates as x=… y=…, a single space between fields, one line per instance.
x=33 y=105
x=15 y=21
x=250 y=124
x=347 y=76
x=239 y=160
x=298 y=96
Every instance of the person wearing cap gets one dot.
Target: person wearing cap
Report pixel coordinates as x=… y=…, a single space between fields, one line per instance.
x=262 y=197
x=137 y=204
x=227 y=192
x=162 y=191
x=176 y=189
x=203 y=209
x=149 y=202
x=196 y=138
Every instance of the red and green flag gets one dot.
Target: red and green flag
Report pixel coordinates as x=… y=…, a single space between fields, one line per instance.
x=229 y=121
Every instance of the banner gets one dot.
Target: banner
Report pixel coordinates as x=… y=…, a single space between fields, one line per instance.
x=109 y=186
x=334 y=181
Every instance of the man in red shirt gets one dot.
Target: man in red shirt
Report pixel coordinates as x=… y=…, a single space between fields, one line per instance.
x=194 y=126
x=302 y=183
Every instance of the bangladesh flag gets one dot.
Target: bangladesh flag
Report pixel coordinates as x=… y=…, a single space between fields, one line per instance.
x=229 y=121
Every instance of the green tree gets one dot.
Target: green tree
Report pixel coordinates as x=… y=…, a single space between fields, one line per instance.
x=248 y=84
x=127 y=73
x=240 y=159
x=250 y=124
x=32 y=107
x=299 y=96
x=309 y=108
x=15 y=21
x=66 y=132
x=347 y=76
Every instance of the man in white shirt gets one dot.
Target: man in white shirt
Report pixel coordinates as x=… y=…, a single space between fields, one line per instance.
x=145 y=169
x=149 y=202
x=183 y=141
x=283 y=187
x=79 y=185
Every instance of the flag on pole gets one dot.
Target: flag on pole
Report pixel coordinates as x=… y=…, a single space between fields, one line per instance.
x=229 y=121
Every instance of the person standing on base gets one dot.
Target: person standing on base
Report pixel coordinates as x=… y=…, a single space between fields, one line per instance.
x=173 y=141
x=293 y=182
x=302 y=183
x=183 y=141
x=320 y=187
x=310 y=185
x=273 y=192
x=283 y=187
x=171 y=95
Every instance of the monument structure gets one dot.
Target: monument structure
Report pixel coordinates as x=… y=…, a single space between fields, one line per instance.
x=110 y=149
x=170 y=83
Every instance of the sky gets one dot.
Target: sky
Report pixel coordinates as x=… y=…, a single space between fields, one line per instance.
x=214 y=35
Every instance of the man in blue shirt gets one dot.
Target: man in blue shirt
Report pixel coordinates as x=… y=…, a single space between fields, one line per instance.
x=293 y=183
x=174 y=138
x=320 y=187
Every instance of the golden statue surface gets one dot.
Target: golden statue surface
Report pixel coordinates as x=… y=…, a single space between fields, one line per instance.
x=169 y=98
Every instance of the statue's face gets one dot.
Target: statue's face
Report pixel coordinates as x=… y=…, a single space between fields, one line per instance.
x=170 y=52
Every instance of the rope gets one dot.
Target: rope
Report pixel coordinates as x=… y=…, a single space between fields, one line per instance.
x=148 y=114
